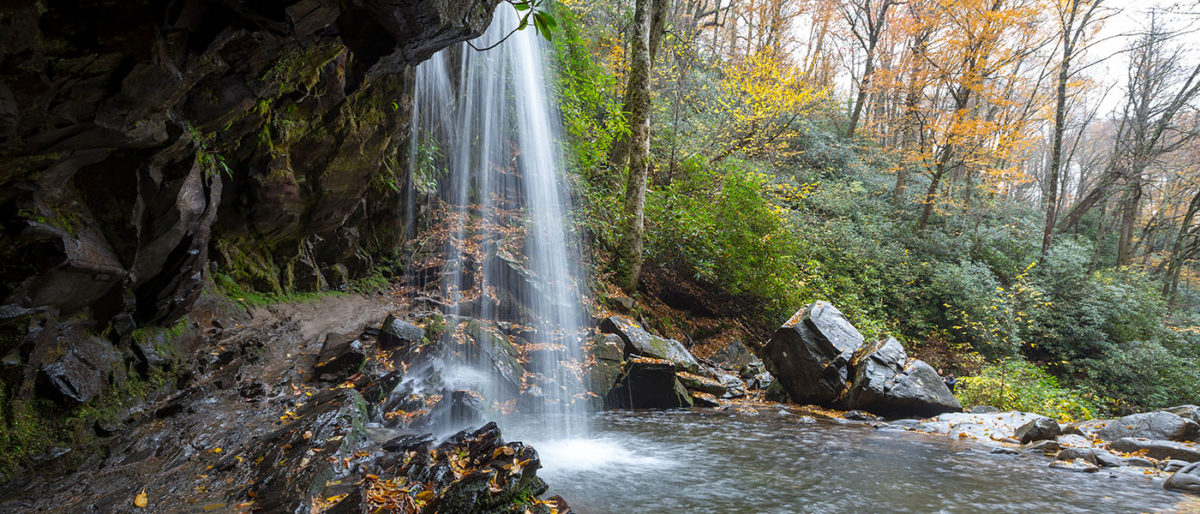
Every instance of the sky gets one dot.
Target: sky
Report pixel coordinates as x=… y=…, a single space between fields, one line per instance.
x=1131 y=20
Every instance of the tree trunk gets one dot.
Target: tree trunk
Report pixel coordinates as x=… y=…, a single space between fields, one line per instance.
x=1130 y=202
x=618 y=153
x=1056 y=149
x=633 y=229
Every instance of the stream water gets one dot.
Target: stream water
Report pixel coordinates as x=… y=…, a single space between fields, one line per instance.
x=687 y=461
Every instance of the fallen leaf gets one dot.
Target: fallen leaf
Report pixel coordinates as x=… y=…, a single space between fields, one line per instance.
x=141 y=500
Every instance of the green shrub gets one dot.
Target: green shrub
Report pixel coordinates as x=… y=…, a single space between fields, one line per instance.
x=1014 y=384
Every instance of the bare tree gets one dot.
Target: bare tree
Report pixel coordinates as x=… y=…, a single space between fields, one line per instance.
x=867 y=20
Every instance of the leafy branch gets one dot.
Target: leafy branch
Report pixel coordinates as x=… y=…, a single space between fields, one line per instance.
x=543 y=22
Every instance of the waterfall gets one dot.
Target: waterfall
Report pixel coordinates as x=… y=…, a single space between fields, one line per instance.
x=483 y=128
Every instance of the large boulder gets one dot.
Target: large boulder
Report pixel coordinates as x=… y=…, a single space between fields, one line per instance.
x=888 y=383
x=1038 y=429
x=648 y=384
x=809 y=354
x=397 y=333
x=1151 y=425
x=80 y=373
x=1186 y=479
x=640 y=342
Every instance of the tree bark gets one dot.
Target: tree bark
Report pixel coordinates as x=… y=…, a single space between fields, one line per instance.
x=633 y=229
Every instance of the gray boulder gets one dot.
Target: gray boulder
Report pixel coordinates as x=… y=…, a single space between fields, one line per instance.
x=809 y=354
x=1151 y=425
x=1173 y=465
x=1186 y=479
x=341 y=356
x=640 y=342
x=1191 y=412
x=734 y=356
x=1158 y=449
x=1039 y=429
x=980 y=426
x=888 y=383
x=1070 y=454
x=1086 y=429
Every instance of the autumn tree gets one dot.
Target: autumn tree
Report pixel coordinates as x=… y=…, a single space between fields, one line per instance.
x=1075 y=19
x=866 y=20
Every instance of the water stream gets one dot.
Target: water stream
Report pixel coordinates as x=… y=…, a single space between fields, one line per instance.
x=687 y=461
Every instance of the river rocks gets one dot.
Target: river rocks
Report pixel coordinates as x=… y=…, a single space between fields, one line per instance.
x=1036 y=430
x=1158 y=449
x=1087 y=429
x=809 y=354
x=1071 y=454
x=648 y=384
x=703 y=384
x=1075 y=465
x=396 y=333
x=1151 y=425
x=1186 y=479
x=980 y=426
x=640 y=342
x=1047 y=447
x=735 y=356
x=341 y=356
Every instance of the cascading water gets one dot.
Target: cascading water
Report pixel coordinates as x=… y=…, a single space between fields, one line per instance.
x=483 y=129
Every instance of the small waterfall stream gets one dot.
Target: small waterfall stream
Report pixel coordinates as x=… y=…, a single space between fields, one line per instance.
x=483 y=130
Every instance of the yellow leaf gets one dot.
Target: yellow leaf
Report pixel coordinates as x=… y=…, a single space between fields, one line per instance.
x=424 y=496
x=141 y=500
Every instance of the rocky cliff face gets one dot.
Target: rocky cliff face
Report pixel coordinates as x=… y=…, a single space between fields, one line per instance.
x=147 y=145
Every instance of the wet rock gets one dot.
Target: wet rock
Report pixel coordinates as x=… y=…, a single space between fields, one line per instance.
x=1072 y=454
x=1037 y=430
x=734 y=356
x=887 y=382
x=1047 y=447
x=300 y=457
x=1172 y=465
x=606 y=356
x=619 y=303
x=80 y=373
x=1140 y=462
x=698 y=383
x=396 y=333
x=341 y=356
x=1106 y=458
x=761 y=381
x=734 y=387
x=905 y=424
x=1158 y=449
x=640 y=342
x=492 y=351
x=1151 y=425
x=1073 y=440
x=858 y=415
x=751 y=370
x=1191 y=412
x=810 y=352
x=1186 y=479
x=703 y=399
x=1075 y=465
x=1004 y=450
x=1086 y=429
x=982 y=426
x=648 y=384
